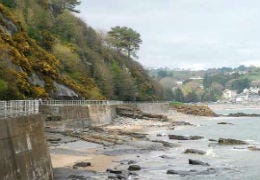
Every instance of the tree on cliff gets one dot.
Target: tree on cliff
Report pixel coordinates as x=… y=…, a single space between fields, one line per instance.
x=125 y=39
x=60 y=5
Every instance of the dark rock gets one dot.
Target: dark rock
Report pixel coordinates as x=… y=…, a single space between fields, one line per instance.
x=132 y=174
x=182 y=173
x=165 y=143
x=117 y=176
x=240 y=114
x=229 y=141
x=253 y=148
x=225 y=123
x=194 y=151
x=54 y=139
x=114 y=171
x=181 y=123
x=197 y=162
x=81 y=164
x=196 y=137
x=192 y=172
x=134 y=168
x=177 y=137
x=128 y=162
x=173 y=172
x=213 y=140
x=77 y=177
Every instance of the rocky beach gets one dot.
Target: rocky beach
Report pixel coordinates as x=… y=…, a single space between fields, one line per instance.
x=137 y=145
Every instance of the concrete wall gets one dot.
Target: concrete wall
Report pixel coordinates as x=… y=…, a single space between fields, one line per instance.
x=23 y=149
x=154 y=108
x=95 y=115
x=79 y=116
x=101 y=114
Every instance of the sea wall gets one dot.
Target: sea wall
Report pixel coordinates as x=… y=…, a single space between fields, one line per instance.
x=23 y=149
x=79 y=116
x=101 y=114
x=154 y=108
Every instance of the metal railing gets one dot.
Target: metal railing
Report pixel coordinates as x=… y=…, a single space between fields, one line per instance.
x=78 y=102
x=17 y=108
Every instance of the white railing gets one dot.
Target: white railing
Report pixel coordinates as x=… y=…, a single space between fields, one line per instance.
x=89 y=102
x=78 y=102
x=17 y=108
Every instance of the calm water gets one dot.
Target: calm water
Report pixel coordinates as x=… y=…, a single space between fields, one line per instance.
x=229 y=162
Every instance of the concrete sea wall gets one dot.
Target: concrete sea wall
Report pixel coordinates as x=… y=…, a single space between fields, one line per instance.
x=23 y=149
x=78 y=116
x=101 y=114
x=154 y=108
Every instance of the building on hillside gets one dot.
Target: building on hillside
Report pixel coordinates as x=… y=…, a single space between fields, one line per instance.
x=196 y=78
x=229 y=94
x=241 y=98
x=179 y=83
x=245 y=98
x=251 y=90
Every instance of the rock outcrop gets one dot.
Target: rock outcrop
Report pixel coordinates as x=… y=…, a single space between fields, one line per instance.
x=229 y=141
x=178 y=137
x=240 y=114
x=196 y=110
x=133 y=112
x=194 y=151
x=197 y=162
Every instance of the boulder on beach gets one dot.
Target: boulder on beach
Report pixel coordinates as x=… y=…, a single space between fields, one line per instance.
x=194 y=151
x=197 y=162
x=112 y=171
x=178 y=137
x=191 y=172
x=134 y=168
x=81 y=164
x=229 y=141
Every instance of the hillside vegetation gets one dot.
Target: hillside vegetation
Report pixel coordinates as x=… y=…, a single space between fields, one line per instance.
x=47 y=52
x=205 y=85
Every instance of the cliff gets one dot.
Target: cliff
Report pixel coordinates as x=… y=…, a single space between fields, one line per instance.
x=50 y=53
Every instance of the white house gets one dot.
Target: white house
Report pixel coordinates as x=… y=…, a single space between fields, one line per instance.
x=229 y=94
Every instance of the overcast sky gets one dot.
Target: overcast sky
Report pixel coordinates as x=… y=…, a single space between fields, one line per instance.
x=193 y=34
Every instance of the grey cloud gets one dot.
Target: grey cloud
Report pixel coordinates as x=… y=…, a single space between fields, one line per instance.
x=178 y=33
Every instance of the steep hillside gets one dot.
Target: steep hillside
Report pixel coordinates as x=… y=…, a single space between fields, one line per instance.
x=47 y=52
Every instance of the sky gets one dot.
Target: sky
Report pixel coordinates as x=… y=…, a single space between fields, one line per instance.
x=188 y=34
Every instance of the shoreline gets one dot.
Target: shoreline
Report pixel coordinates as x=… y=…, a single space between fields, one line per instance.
x=124 y=139
x=144 y=143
